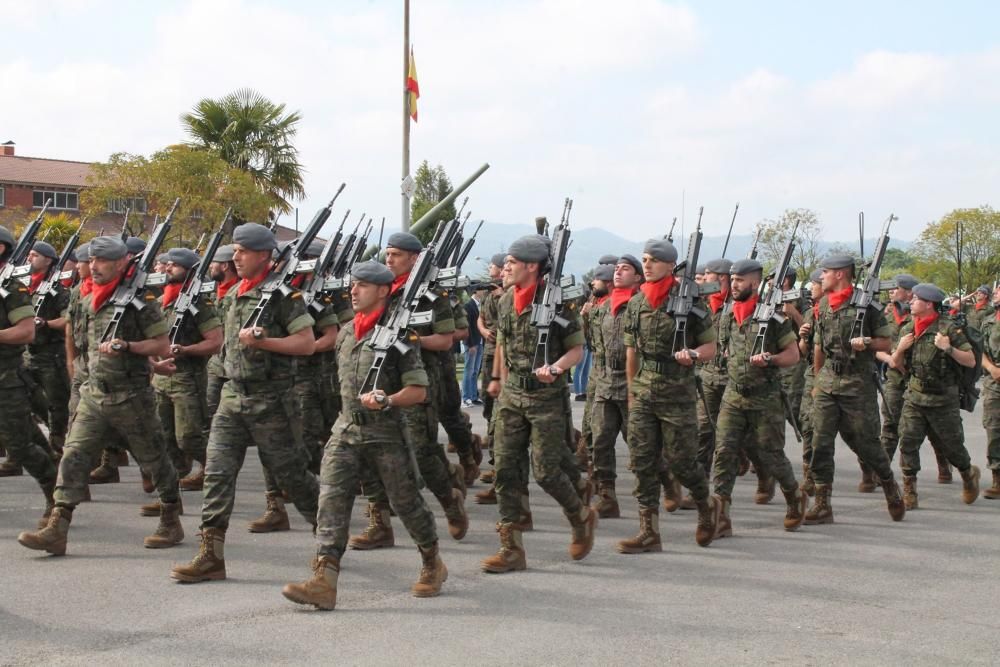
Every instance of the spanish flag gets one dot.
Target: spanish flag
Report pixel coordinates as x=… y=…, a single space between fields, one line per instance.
x=412 y=86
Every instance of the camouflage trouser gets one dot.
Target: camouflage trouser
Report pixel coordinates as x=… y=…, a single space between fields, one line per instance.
x=183 y=412
x=99 y=418
x=213 y=390
x=793 y=380
x=892 y=409
x=586 y=428
x=942 y=425
x=455 y=423
x=806 y=418
x=270 y=420
x=855 y=417
x=343 y=462
x=664 y=427
x=706 y=434
x=15 y=421
x=118 y=443
x=761 y=430
x=533 y=423
x=610 y=418
x=319 y=411
x=488 y=401
x=991 y=422
x=49 y=372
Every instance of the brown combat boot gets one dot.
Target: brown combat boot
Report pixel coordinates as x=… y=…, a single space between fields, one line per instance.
x=808 y=483
x=795 y=512
x=672 y=495
x=470 y=469
x=584 y=525
x=378 y=534
x=765 y=488
x=511 y=555
x=582 y=454
x=51 y=538
x=821 y=511
x=147 y=481
x=50 y=503
x=107 y=471
x=910 y=492
x=970 y=485
x=585 y=489
x=11 y=468
x=607 y=502
x=121 y=456
x=432 y=574
x=993 y=493
x=457 y=474
x=170 y=531
x=725 y=526
x=274 y=518
x=893 y=499
x=744 y=467
x=154 y=508
x=195 y=481
x=709 y=511
x=321 y=590
x=867 y=483
x=648 y=538
x=454 y=512
x=525 y=523
x=944 y=469
x=209 y=564
x=688 y=503
x=488 y=477
x=487 y=496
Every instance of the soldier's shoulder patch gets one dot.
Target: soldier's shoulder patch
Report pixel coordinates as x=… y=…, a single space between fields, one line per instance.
x=150 y=297
x=295 y=295
x=22 y=289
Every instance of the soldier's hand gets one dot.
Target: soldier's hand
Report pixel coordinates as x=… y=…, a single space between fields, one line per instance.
x=39 y=323
x=493 y=388
x=805 y=330
x=165 y=367
x=905 y=342
x=177 y=350
x=683 y=357
x=369 y=401
x=251 y=337
x=760 y=360
x=858 y=344
x=491 y=337
x=941 y=341
x=113 y=347
x=995 y=373
x=548 y=374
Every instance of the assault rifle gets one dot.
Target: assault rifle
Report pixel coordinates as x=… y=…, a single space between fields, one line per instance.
x=682 y=304
x=670 y=234
x=314 y=286
x=47 y=290
x=548 y=302
x=287 y=263
x=18 y=255
x=186 y=305
x=129 y=292
x=732 y=222
x=753 y=248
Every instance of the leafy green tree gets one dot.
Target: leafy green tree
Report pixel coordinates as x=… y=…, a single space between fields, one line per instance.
x=431 y=186
x=251 y=133
x=937 y=248
x=774 y=237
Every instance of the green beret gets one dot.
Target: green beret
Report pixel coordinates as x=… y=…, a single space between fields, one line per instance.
x=372 y=272
x=608 y=259
x=83 y=252
x=631 y=260
x=108 y=247
x=135 y=245
x=224 y=253
x=182 y=257
x=661 y=249
x=45 y=249
x=498 y=259
x=742 y=267
x=722 y=266
x=929 y=292
x=834 y=262
x=906 y=281
x=531 y=248
x=253 y=236
x=404 y=241
x=605 y=272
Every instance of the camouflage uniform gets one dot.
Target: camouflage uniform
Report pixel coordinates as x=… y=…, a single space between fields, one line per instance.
x=488 y=311
x=976 y=315
x=590 y=323
x=793 y=377
x=456 y=424
x=531 y=416
x=808 y=381
x=663 y=419
x=610 y=409
x=216 y=371
x=713 y=375
x=930 y=404
x=257 y=407
x=895 y=383
x=46 y=364
x=991 y=394
x=365 y=439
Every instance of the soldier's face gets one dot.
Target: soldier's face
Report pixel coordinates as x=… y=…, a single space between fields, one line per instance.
x=160 y=267
x=900 y=295
x=832 y=278
x=216 y=271
x=83 y=268
x=250 y=263
x=981 y=296
x=400 y=262
x=744 y=286
x=38 y=261
x=105 y=270
x=654 y=269
x=521 y=273
x=505 y=278
x=816 y=290
x=700 y=278
x=365 y=296
x=175 y=273
x=920 y=308
x=495 y=271
x=626 y=276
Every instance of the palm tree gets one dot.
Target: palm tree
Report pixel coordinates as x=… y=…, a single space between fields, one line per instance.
x=254 y=134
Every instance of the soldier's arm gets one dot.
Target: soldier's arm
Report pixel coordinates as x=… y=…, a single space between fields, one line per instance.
x=70 y=350
x=58 y=323
x=572 y=357
x=20 y=333
x=302 y=343
x=989 y=366
x=210 y=344
x=959 y=349
x=880 y=344
x=789 y=355
x=328 y=340
x=486 y=333
x=157 y=346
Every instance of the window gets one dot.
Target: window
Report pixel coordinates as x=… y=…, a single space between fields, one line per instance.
x=2 y=200
x=133 y=204
x=63 y=200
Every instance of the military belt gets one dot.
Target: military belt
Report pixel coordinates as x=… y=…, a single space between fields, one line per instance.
x=524 y=382
x=108 y=388
x=932 y=388
x=260 y=387
x=616 y=365
x=366 y=417
x=656 y=365
x=751 y=389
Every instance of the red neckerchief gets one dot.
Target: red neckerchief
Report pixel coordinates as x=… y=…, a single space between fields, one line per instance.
x=815 y=312
x=953 y=312
x=896 y=316
x=656 y=293
x=86 y=286
x=248 y=284
x=398 y=282
x=170 y=293
x=101 y=293
x=717 y=300
x=620 y=296
x=920 y=324
x=744 y=309
x=840 y=297
x=979 y=304
x=298 y=281
x=523 y=296
x=36 y=280
x=223 y=288
x=601 y=300
x=67 y=282
x=365 y=323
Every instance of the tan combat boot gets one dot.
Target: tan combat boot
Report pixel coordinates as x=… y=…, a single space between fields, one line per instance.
x=454 y=512
x=147 y=481
x=688 y=503
x=274 y=518
x=584 y=525
x=155 y=508
x=457 y=474
x=107 y=471
x=808 y=483
x=11 y=468
x=511 y=555
x=585 y=489
x=648 y=538
x=867 y=483
x=378 y=534
x=910 y=492
x=725 y=526
x=672 y=495
x=607 y=502
x=821 y=511
x=470 y=469
x=765 y=488
x=893 y=499
x=582 y=454
x=432 y=574
x=170 y=531
x=51 y=538
x=709 y=511
x=993 y=493
x=195 y=481
x=488 y=477
x=944 y=469
x=210 y=562
x=795 y=512
x=50 y=503
x=970 y=485
x=321 y=590
x=487 y=496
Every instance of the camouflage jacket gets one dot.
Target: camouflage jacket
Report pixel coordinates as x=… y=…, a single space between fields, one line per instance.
x=193 y=332
x=933 y=375
x=977 y=316
x=750 y=387
x=121 y=374
x=897 y=316
x=845 y=371
x=442 y=322
x=49 y=341
x=488 y=310
x=713 y=371
x=608 y=344
x=216 y=363
x=991 y=349
x=13 y=309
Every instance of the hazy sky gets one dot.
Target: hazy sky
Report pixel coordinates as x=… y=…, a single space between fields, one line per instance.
x=837 y=106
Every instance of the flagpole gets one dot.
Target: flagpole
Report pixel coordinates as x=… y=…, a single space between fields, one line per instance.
x=405 y=219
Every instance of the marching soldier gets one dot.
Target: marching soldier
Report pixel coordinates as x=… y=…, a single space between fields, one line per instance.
x=752 y=414
x=455 y=422
x=532 y=415
x=991 y=396
x=368 y=434
x=115 y=398
x=488 y=328
x=930 y=351
x=980 y=310
x=806 y=351
x=600 y=288
x=257 y=406
x=663 y=420
x=844 y=396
